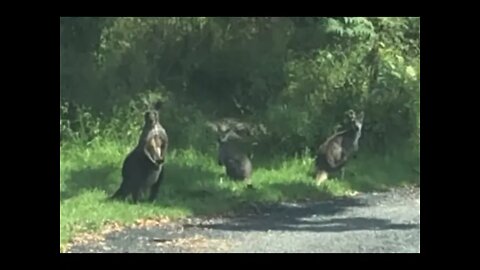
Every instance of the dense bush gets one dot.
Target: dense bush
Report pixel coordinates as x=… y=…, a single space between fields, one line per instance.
x=295 y=75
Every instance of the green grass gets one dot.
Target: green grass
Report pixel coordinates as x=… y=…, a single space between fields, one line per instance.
x=192 y=186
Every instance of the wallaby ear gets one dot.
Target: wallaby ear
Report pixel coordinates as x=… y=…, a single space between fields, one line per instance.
x=212 y=126
x=158 y=105
x=146 y=104
x=146 y=116
x=232 y=134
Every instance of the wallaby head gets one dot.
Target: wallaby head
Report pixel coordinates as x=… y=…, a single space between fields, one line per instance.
x=150 y=118
x=225 y=132
x=354 y=121
x=357 y=121
x=226 y=135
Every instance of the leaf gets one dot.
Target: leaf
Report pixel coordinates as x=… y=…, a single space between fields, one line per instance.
x=400 y=59
x=396 y=74
x=411 y=72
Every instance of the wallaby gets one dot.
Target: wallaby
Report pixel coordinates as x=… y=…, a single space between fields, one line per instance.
x=143 y=168
x=334 y=153
x=238 y=165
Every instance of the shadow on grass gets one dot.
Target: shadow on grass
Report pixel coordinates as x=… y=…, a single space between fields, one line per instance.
x=192 y=187
x=195 y=186
x=186 y=186
x=189 y=179
x=199 y=191
x=90 y=178
x=183 y=183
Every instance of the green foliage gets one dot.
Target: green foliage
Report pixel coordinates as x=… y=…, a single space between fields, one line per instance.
x=351 y=27
x=296 y=75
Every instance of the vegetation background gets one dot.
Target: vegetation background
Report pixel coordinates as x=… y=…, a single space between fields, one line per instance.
x=295 y=75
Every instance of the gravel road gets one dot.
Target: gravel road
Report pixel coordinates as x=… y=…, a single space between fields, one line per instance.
x=374 y=222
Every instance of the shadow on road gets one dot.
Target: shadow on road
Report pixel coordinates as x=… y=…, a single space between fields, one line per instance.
x=328 y=225
x=315 y=217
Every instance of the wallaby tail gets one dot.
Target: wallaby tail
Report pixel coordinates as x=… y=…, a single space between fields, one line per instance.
x=120 y=194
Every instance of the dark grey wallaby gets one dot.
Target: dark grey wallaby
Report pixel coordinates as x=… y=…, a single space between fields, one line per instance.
x=143 y=168
x=238 y=165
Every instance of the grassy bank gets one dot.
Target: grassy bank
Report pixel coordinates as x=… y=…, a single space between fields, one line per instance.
x=88 y=174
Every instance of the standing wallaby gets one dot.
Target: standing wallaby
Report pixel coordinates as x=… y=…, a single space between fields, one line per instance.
x=143 y=168
x=334 y=153
x=230 y=154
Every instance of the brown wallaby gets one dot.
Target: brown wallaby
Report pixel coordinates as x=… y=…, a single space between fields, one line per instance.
x=334 y=153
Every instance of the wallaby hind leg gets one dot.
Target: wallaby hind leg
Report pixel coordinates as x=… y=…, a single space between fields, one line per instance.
x=136 y=195
x=120 y=194
x=155 y=188
x=248 y=183
x=320 y=177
